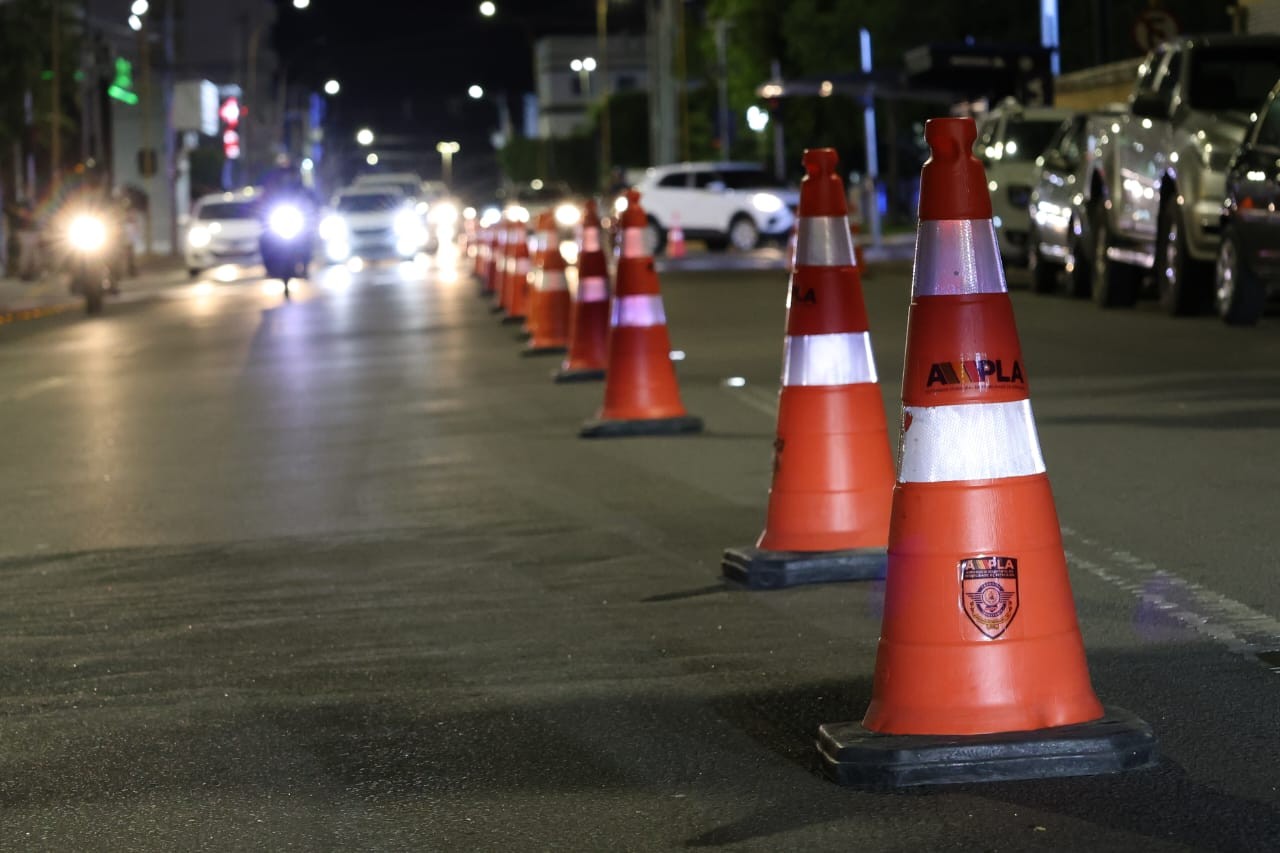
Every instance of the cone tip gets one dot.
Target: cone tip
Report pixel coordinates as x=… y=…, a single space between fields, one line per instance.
x=950 y=138
x=820 y=162
x=953 y=184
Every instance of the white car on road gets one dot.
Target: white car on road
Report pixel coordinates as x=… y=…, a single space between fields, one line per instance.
x=371 y=222
x=723 y=204
x=224 y=229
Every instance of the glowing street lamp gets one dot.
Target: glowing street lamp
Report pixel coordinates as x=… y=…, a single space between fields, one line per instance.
x=447 y=150
x=476 y=92
x=332 y=87
x=364 y=136
x=372 y=159
x=584 y=67
x=488 y=9
x=301 y=4
x=139 y=7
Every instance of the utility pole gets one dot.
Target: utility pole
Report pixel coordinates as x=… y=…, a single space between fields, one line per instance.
x=869 y=125
x=55 y=135
x=722 y=85
x=779 y=142
x=602 y=52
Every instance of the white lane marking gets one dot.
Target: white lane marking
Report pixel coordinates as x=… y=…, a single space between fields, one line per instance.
x=26 y=392
x=1236 y=625
x=757 y=398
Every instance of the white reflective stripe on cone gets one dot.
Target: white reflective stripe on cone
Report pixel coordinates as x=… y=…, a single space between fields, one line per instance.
x=824 y=241
x=590 y=239
x=973 y=441
x=956 y=257
x=637 y=311
x=548 y=280
x=633 y=243
x=522 y=266
x=837 y=359
x=593 y=288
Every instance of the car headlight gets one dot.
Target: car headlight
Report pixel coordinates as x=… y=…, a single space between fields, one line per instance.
x=87 y=233
x=766 y=202
x=490 y=216
x=568 y=215
x=286 y=221
x=620 y=204
x=199 y=237
x=406 y=223
x=517 y=213
x=333 y=229
x=445 y=213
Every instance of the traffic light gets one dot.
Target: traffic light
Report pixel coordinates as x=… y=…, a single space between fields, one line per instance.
x=230 y=113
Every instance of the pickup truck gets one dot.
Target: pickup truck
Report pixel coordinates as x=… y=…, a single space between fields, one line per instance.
x=1156 y=189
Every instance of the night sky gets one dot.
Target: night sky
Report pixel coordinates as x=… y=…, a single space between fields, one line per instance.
x=405 y=65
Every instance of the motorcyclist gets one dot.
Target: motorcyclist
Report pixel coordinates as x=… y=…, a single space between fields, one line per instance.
x=85 y=191
x=287 y=252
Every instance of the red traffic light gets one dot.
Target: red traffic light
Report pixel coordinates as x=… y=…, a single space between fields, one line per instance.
x=230 y=112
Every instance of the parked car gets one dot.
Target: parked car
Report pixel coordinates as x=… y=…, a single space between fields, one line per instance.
x=1156 y=192
x=1010 y=138
x=1248 y=265
x=223 y=229
x=723 y=204
x=1058 y=235
x=373 y=221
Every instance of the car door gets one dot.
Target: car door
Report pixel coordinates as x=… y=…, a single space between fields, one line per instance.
x=1147 y=134
x=1056 y=187
x=708 y=197
x=668 y=199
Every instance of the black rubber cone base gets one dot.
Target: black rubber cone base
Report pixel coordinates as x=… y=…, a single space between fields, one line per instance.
x=777 y=569
x=548 y=350
x=495 y=309
x=579 y=375
x=651 y=426
x=853 y=756
x=512 y=319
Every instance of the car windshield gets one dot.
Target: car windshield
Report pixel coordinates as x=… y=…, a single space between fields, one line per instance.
x=1237 y=78
x=369 y=202
x=224 y=210
x=1026 y=139
x=746 y=179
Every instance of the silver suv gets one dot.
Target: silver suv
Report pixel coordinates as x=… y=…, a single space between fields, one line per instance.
x=1157 y=188
x=724 y=204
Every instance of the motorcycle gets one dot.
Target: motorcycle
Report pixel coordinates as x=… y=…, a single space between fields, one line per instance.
x=90 y=258
x=286 y=244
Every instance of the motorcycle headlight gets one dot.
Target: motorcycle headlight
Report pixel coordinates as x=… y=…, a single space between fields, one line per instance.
x=766 y=202
x=199 y=237
x=333 y=228
x=568 y=215
x=286 y=221
x=87 y=233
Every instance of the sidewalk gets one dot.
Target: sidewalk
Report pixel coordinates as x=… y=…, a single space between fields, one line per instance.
x=29 y=300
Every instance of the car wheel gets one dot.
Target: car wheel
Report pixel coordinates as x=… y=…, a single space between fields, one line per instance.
x=1079 y=262
x=1044 y=275
x=743 y=233
x=655 y=237
x=1180 y=281
x=1115 y=285
x=1238 y=296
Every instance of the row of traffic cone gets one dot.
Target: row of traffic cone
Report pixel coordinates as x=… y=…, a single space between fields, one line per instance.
x=980 y=671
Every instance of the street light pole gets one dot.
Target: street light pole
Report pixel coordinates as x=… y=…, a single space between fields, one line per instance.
x=602 y=51
x=447 y=150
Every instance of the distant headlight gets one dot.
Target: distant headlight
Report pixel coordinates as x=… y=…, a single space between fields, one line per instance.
x=87 y=233
x=766 y=202
x=333 y=229
x=286 y=221
x=199 y=237
x=445 y=213
x=490 y=216
x=620 y=204
x=407 y=223
x=516 y=213
x=568 y=215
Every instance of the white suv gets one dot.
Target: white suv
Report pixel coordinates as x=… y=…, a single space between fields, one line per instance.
x=724 y=204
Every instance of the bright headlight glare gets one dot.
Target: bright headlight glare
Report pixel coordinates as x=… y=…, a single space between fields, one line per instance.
x=286 y=221
x=490 y=216
x=445 y=213
x=568 y=215
x=620 y=204
x=766 y=202
x=87 y=233
x=516 y=213
x=333 y=229
x=199 y=237
x=407 y=223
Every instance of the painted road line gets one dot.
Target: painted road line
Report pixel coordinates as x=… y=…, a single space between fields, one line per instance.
x=26 y=392
x=759 y=399
x=1165 y=596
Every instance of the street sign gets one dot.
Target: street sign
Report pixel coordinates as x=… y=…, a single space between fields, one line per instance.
x=1152 y=27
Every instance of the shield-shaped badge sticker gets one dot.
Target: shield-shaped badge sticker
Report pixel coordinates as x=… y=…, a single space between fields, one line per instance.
x=989 y=592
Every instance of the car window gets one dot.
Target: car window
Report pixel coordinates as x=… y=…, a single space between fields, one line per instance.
x=1234 y=78
x=702 y=180
x=745 y=179
x=369 y=202
x=1026 y=139
x=1269 y=126
x=676 y=180
x=224 y=210
x=1168 y=76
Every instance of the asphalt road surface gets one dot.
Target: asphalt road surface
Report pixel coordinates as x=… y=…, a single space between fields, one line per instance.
x=337 y=574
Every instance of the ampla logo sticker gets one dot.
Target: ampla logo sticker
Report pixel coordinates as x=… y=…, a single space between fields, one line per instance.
x=989 y=592
x=967 y=373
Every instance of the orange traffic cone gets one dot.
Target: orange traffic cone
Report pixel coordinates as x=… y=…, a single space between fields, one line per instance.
x=517 y=278
x=497 y=270
x=483 y=245
x=589 y=320
x=828 y=514
x=641 y=396
x=675 y=238
x=548 y=294
x=980 y=673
